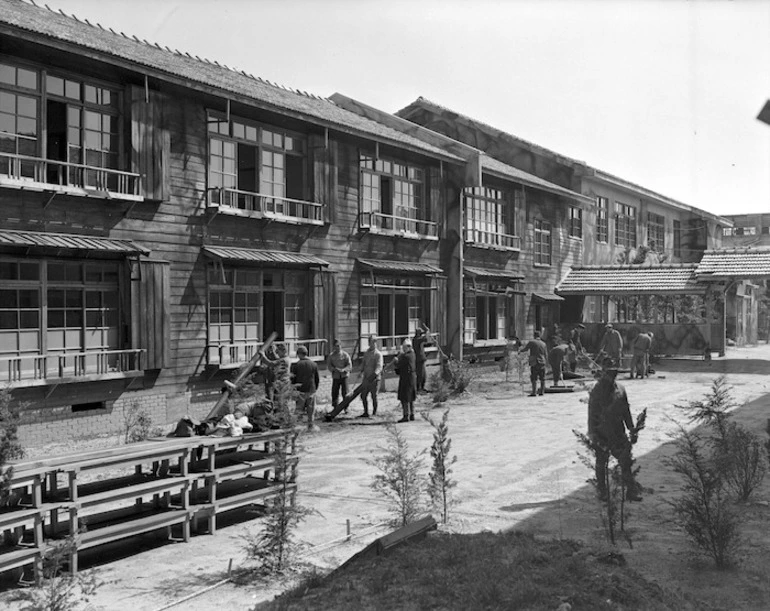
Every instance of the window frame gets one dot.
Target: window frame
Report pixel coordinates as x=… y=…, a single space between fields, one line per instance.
x=625 y=225
x=575 y=219
x=677 y=237
x=656 y=230
x=542 y=242
x=490 y=217
x=602 y=219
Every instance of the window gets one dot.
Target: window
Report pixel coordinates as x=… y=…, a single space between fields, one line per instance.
x=392 y=308
x=677 y=238
x=602 y=214
x=625 y=225
x=247 y=305
x=575 y=222
x=765 y=230
x=258 y=168
x=489 y=217
x=739 y=231
x=542 y=254
x=485 y=312
x=393 y=197
x=60 y=307
x=656 y=232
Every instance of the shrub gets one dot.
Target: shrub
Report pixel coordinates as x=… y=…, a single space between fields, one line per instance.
x=10 y=448
x=461 y=375
x=137 y=424
x=439 y=388
x=742 y=460
x=440 y=482
x=399 y=479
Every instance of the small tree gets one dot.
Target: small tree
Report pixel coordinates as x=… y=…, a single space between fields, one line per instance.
x=439 y=388
x=10 y=448
x=440 y=482
x=137 y=424
x=399 y=479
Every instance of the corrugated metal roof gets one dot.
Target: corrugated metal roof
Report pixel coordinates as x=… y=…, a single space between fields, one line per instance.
x=631 y=280
x=275 y=257
x=191 y=69
x=69 y=241
x=483 y=272
x=400 y=266
x=546 y=297
x=734 y=263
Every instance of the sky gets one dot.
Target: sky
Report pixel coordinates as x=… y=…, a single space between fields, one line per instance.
x=663 y=93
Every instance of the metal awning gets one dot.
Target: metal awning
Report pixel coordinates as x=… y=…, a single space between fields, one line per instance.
x=734 y=263
x=271 y=257
x=45 y=241
x=547 y=297
x=631 y=280
x=483 y=272
x=407 y=267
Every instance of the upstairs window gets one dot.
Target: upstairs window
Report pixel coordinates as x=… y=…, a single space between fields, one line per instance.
x=677 y=238
x=656 y=231
x=393 y=196
x=19 y=111
x=602 y=214
x=625 y=225
x=575 y=222
x=542 y=254
x=489 y=217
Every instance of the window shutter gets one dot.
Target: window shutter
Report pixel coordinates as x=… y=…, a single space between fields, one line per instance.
x=324 y=307
x=149 y=313
x=324 y=160
x=437 y=308
x=436 y=188
x=150 y=143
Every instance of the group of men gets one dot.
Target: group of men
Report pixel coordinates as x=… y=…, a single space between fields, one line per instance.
x=562 y=356
x=612 y=347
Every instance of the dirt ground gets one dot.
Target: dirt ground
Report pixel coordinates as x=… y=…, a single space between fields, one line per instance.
x=517 y=468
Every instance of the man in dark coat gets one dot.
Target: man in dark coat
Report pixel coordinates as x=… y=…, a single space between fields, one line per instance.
x=304 y=376
x=418 y=344
x=612 y=345
x=537 y=351
x=609 y=415
x=407 y=380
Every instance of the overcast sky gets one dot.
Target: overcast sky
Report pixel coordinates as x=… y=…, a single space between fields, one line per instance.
x=662 y=93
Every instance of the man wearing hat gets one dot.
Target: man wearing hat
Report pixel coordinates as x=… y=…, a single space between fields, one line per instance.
x=304 y=376
x=612 y=345
x=537 y=351
x=576 y=341
x=640 y=363
x=418 y=344
x=609 y=415
x=407 y=380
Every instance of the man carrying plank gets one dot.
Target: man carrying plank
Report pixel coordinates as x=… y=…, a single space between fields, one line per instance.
x=371 y=374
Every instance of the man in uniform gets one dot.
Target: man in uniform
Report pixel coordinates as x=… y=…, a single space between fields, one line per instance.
x=340 y=365
x=418 y=345
x=612 y=345
x=371 y=374
x=609 y=416
x=576 y=339
x=640 y=362
x=537 y=351
x=556 y=357
x=304 y=376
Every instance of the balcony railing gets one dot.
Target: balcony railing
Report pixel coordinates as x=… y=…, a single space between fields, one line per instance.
x=492 y=239
x=235 y=355
x=72 y=178
x=390 y=223
x=36 y=369
x=390 y=344
x=266 y=206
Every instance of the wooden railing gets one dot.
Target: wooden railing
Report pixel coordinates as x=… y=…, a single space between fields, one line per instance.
x=21 y=170
x=378 y=221
x=492 y=238
x=236 y=354
x=266 y=206
x=390 y=344
x=41 y=368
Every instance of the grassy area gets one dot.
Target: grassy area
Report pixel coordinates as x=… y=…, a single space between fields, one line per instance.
x=483 y=571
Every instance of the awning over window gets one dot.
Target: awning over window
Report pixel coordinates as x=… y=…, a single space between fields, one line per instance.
x=407 y=267
x=631 y=280
x=726 y=264
x=45 y=241
x=483 y=272
x=271 y=257
x=546 y=297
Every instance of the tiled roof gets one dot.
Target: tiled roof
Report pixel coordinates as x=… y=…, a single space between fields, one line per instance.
x=498 y=167
x=275 y=257
x=734 y=263
x=630 y=280
x=68 y=241
x=400 y=266
x=483 y=272
x=189 y=69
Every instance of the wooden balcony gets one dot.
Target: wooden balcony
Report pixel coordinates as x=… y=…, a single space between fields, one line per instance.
x=257 y=205
x=390 y=224
x=42 y=369
x=491 y=239
x=391 y=344
x=228 y=356
x=36 y=174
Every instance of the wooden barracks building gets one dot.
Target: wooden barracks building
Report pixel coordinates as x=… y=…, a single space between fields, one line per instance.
x=162 y=214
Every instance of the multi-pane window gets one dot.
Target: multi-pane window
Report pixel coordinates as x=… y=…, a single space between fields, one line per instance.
x=625 y=225
x=484 y=314
x=392 y=195
x=256 y=160
x=58 y=307
x=656 y=231
x=542 y=253
x=602 y=216
x=677 y=238
x=392 y=307
x=739 y=231
x=575 y=222
x=489 y=217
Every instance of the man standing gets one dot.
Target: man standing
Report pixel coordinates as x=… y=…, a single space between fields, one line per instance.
x=340 y=365
x=576 y=339
x=418 y=344
x=609 y=415
x=612 y=345
x=371 y=373
x=537 y=350
x=639 y=362
x=556 y=357
x=407 y=380
x=304 y=376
